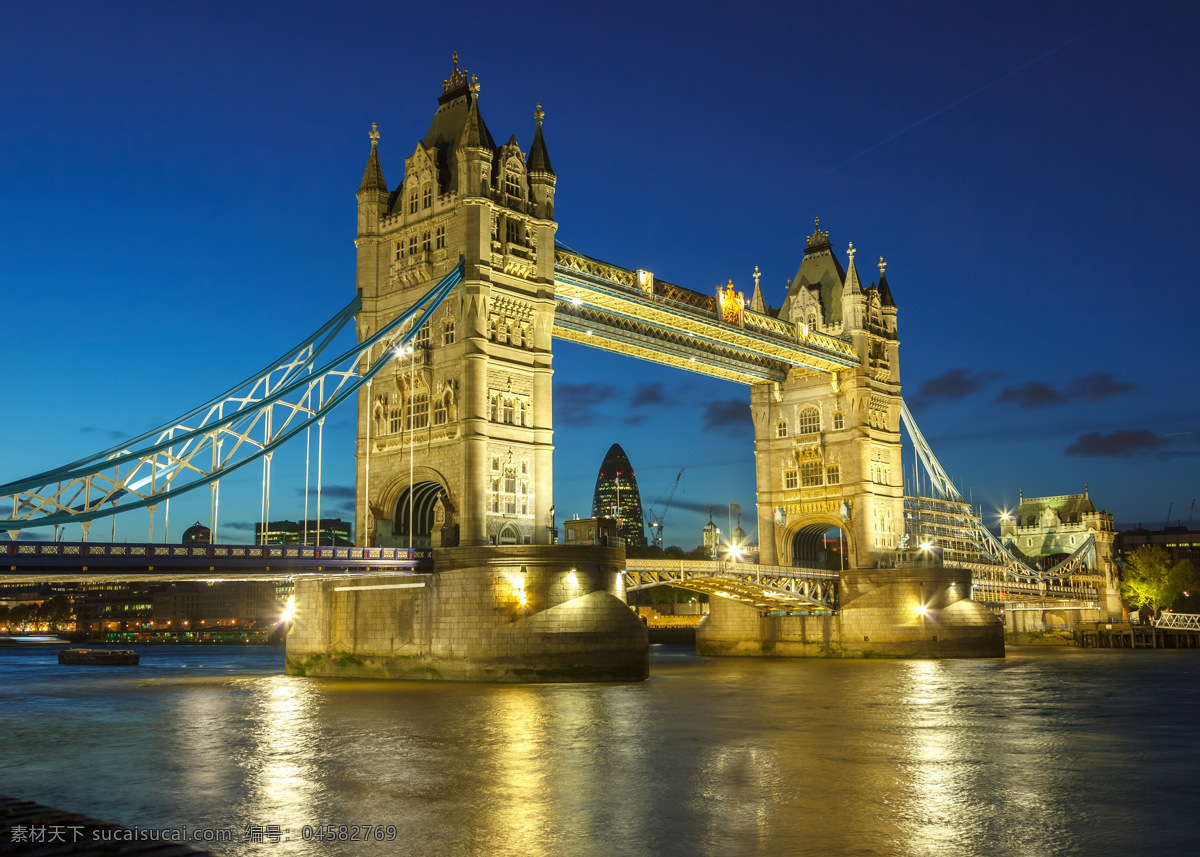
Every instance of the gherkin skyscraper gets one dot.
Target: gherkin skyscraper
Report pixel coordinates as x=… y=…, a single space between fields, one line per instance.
x=617 y=496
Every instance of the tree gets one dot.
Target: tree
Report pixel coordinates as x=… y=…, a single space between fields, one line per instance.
x=1150 y=580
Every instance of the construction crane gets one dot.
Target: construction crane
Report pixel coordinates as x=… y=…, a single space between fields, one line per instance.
x=656 y=521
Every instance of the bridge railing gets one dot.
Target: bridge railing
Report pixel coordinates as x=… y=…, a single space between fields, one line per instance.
x=1178 y=621
x=703 y=566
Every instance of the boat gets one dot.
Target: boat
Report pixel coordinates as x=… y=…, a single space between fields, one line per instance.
x=99 y=657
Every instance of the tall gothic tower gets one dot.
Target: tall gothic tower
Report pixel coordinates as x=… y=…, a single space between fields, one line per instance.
x=454 y=443
x=827 y=447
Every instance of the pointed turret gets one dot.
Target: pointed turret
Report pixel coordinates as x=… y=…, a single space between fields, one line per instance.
x=756 y=300
x=372 y=179
x=541 y=174
x=852 y=294
x=372 y=191
x=885 y=294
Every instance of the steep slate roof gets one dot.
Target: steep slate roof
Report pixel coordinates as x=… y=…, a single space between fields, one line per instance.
x=457 y=112
x=885 y=294
x=1070 y=508
x=821 y=272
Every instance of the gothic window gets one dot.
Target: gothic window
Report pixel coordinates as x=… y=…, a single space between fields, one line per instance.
x=508 y=331
x=422 y=338
x=394 y=414
x=448 y=332
x=419 y=418
x=839 y=420
x=810 y=474
x=412 y=245
x=833 y=474
x=426 y=244
x=412 y=202
x=781 y=428
x=399 y=250
x=426 y=197
x=520 y=413
x=493 y=327
x=510 y=481
x=512 y=184
x=441 y=237
x=513 y=232
x=812 y=322
x=495 y=405
x=790 y=479
x=510 y=504
x=495 y=463
x=524 y=499
x=524 y=467
x=439 y=411
x=508 y=411
x=810 y=420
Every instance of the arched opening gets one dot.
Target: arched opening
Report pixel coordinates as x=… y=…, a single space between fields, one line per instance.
x=508 y=535
x=423 y=498
x=821 y=547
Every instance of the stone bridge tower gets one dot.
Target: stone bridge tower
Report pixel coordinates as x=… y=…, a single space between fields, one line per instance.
x=827 y=447
x=473 y=403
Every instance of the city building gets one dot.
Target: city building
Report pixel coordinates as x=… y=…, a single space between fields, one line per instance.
x=1179 y=541
x=197 y=534
x=590 y=531
x=244 y=603
x=327 y=531
x=616 y=496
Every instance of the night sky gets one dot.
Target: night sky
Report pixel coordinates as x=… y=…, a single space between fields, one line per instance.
x=178 y=189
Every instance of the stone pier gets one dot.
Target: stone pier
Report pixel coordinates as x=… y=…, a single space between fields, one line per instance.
x=892 y=613
x=499 y=614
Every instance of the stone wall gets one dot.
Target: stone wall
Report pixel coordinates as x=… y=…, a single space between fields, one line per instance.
x=520 y=613
x=879 y=617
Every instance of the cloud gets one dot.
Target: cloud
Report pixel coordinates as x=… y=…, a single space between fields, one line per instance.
x=239 y=525
x=728 y=415
x=1122 y=443
x=108 y=433
x=1094 y=387
x=576 y=404
x=1032 y=395
x=650 y=396
x=1099 y=385
x=954 y=385
x=331 y=492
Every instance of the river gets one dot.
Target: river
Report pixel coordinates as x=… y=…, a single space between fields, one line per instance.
x=1050 y=751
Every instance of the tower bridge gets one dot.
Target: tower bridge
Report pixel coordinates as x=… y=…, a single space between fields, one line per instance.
x=462 y=289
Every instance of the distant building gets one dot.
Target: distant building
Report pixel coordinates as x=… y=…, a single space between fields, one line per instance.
x=616 y=496
x=1180 y=542
x=590 y=531
x=327 y=531
x=240 y=602
x=197 y=534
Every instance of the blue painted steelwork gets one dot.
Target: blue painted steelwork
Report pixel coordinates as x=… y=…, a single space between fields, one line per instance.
x=30 y=561
x=179 y=457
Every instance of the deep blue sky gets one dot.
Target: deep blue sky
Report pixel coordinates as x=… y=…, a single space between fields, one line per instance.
x=178 y=208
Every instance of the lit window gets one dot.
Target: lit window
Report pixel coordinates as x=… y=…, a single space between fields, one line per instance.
x=427 y=197
x=810 y=474
x=781 y=428
x=839 y=420
x=833 y=474
x=790 y=479
x=441 y=237
x=420 y=411
x=810 y=420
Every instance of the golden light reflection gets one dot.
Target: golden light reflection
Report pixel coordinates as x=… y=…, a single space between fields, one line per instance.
x=283 y=770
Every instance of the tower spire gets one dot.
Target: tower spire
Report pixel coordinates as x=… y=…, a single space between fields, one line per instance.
x=756 y=300
x=539 y=158
x=853 y=284
x=373 y=175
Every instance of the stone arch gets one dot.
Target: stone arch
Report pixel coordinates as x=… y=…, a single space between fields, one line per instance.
x=423 y=498
x=803 y=544
x=508 y=535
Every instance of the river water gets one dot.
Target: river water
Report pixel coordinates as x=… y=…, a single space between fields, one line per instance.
x=1048 y=752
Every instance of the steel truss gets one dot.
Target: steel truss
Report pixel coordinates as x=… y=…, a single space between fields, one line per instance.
x=954 y=527
x=602 y=306
x=764 y=587
x=240 y=426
